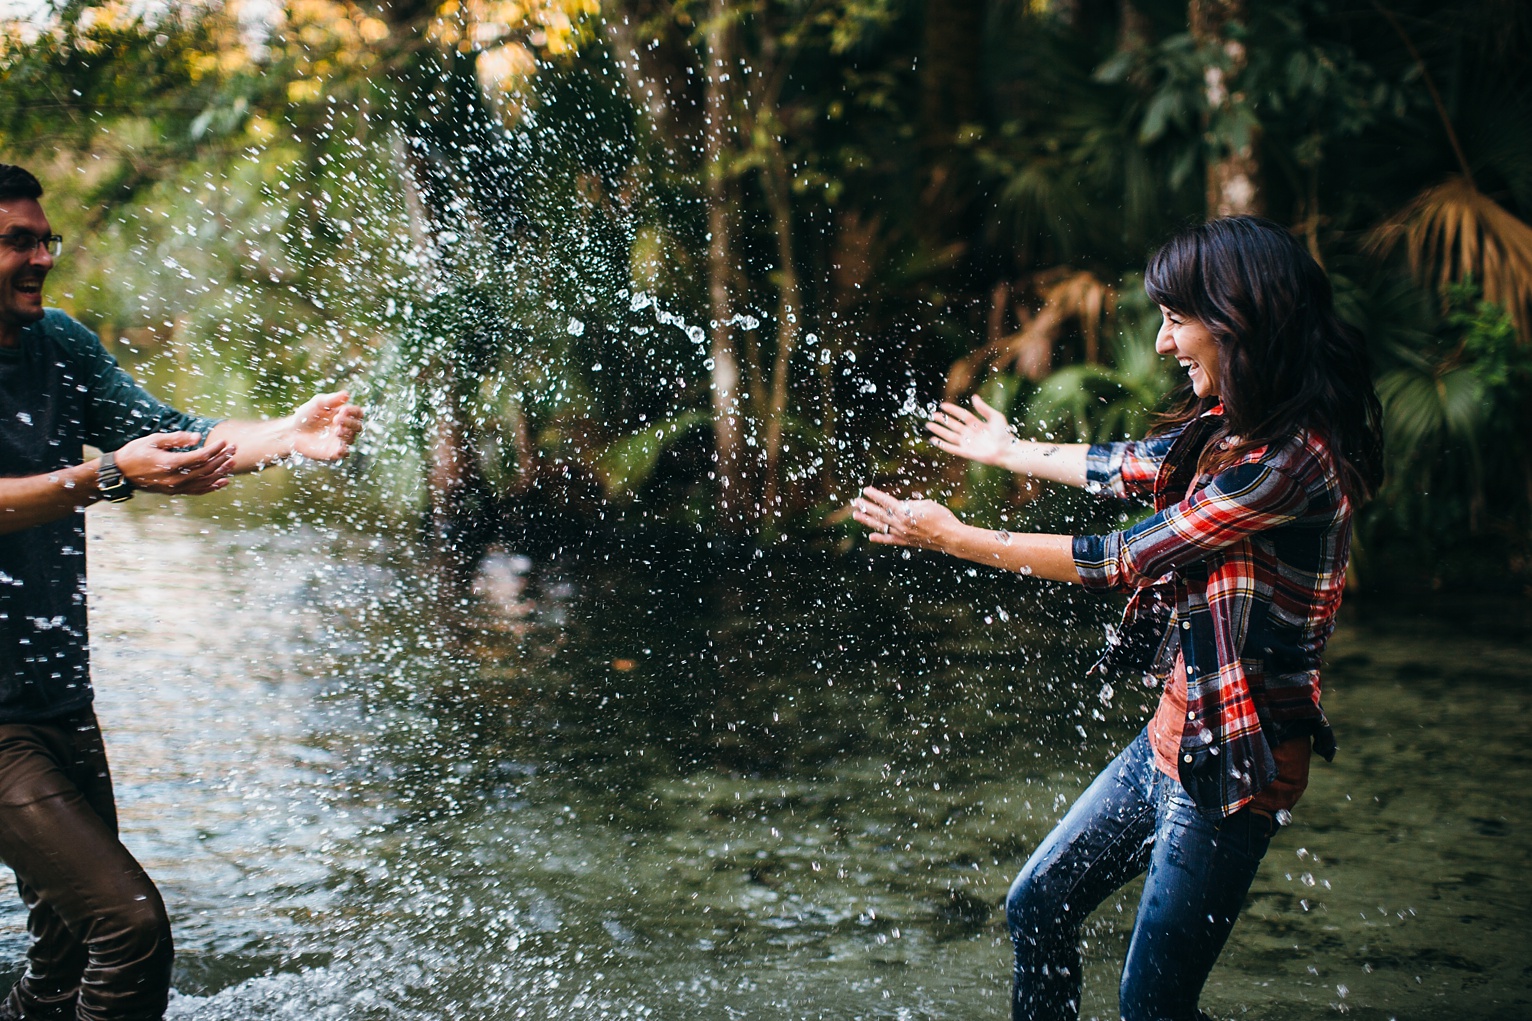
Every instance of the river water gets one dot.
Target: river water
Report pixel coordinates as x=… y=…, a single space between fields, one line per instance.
x=641 y=782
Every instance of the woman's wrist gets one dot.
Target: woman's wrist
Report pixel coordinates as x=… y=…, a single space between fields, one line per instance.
x=980 y=545
x=1030 y=456
x=1048 y=461
x=1018 y=458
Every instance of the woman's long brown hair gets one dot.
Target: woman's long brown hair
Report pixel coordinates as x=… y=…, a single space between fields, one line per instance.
x=1288 y=362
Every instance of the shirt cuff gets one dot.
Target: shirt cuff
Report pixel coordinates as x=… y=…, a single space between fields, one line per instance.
x=1097 y=558
x=1098 y=465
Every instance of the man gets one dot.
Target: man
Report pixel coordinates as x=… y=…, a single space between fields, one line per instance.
x=101 y=946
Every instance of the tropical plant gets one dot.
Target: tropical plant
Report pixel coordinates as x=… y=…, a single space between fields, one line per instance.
x=1455 y=232
x=1102 y=402
x=1456 y=414
x=1096 y=401
x=1068 y=298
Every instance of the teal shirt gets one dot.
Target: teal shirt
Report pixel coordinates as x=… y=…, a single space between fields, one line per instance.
x=59 y=390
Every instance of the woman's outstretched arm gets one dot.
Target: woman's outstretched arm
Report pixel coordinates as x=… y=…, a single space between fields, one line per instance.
x=929 y=525
x=986 y=437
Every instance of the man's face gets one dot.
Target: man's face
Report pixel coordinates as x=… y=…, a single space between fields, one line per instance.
x=22 y=274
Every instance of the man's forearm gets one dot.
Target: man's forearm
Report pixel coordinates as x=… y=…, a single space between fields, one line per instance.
x=39 y=499
x=257 y=444
x=321 y=429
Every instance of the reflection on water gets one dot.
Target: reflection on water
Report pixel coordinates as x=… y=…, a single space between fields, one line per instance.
x=648 y=786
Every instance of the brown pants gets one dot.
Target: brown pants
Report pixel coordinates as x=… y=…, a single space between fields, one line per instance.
x=101 y=948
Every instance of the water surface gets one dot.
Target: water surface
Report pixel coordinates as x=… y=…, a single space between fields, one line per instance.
x=643 y=783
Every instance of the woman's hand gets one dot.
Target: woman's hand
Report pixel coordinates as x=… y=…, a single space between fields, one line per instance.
x=985 y=437
x=894 y=522
x=929 y=525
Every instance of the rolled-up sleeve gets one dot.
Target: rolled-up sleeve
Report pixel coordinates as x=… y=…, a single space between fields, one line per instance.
x=1127 y=470
x=1236 y=504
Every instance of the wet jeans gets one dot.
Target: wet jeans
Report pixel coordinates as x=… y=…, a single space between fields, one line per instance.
x=1132 y=819
x=101 y=945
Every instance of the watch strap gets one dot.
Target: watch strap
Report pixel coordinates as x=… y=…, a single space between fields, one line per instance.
x=114 y=485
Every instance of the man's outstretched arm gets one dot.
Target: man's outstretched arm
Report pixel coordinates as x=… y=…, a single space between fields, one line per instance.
x=321 y=429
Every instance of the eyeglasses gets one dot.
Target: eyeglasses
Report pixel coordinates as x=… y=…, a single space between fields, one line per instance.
x=23 y=243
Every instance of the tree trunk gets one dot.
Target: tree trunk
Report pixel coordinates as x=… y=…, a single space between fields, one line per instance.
x=789 y=312
x=950 y=96
x=727 y=422
x=1132 y=27
x=855 y=252
x=1234 y=170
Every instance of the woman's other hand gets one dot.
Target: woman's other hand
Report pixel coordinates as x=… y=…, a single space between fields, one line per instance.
x=986 y=437
x=894 y=522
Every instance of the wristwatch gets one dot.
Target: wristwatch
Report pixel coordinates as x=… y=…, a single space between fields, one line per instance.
x=114 y=485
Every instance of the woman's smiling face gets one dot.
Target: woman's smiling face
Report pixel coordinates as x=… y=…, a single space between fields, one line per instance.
x=1194 y=348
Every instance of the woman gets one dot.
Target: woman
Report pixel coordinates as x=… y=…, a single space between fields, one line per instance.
x=1234 y=582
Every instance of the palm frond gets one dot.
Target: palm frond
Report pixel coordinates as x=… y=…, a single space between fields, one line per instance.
x=1436 y=425
x=1413 y=415
x=1453 y=229
x=1068 y=296
x=1090 y=404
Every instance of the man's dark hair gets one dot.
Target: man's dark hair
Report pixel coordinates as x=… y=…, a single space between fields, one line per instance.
x=18 y=183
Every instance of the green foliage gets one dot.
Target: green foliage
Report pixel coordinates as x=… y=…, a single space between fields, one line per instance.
x=1086 y=403
x=147 y=72
x=1092 y=144
x=1456 y=412
x=343 y=201
x=227 y=239
x=1489 y=341
x=1079 y=403
x=630 y=461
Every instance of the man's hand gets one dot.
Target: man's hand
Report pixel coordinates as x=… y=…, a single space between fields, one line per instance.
x=325 y=427
x=322 y=429
x=155 y=463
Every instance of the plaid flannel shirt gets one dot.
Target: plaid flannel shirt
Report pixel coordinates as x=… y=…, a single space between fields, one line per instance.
x=1242 y=573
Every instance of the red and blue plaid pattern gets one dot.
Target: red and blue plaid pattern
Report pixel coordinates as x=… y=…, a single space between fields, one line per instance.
x=1249 y=564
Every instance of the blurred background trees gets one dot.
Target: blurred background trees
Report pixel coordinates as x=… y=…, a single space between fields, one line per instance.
x=708 y=262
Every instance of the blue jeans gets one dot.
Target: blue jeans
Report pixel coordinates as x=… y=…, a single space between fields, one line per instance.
x=1133 y=818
